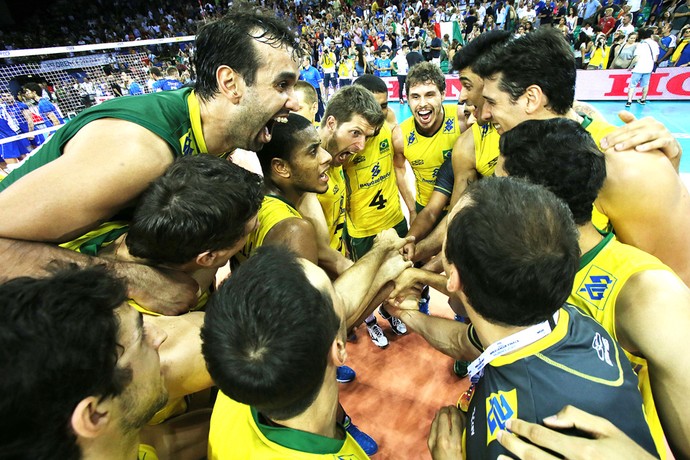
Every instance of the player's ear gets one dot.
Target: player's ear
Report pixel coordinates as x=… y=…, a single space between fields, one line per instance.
x=338 y=352
x=453 y=283
x=534 y=98
x=331 y=123
x=281 y=168
x=91 y=417
x=216 y=258
x=230 y=83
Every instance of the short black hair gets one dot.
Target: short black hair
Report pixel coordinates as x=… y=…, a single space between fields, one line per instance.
x=373 y=83
x=351 y=101
x=230 y=41
x=541 y=58
x=267 y=334
x=470 y=53
x=58 y=345
x=31 y=86
x=560 y=155
x=285 y=138
x=515 y=247
x=426 y=72
x=201 y=203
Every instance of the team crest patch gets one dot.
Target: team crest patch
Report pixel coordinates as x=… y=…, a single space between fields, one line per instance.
x=596 y=287
x=449 y=126
x=384 y=145
x=500 y=407
x=412 y=138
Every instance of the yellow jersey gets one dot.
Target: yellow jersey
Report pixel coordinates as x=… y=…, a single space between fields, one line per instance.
x=333 y=204
x=373 y=204
x=486 y=148
x=603 y=272
x=427 y=154
x=237 y=432
x=147 y=452
x=274 y=209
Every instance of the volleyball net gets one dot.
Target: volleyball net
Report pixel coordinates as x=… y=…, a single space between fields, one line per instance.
x=61 y=72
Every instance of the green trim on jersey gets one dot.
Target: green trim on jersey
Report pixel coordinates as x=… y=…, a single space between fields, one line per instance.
x=301 y=441
x=592 y=253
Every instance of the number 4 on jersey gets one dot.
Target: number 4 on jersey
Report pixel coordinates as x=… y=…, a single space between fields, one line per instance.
x=379 y=202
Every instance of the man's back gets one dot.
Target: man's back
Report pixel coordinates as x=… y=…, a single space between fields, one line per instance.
x=578 y=363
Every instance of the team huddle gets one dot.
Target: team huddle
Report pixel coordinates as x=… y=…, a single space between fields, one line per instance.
x=558 y=238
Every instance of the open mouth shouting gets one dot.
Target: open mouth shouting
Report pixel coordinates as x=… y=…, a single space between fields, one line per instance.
x=425 y=116
x=266 y=132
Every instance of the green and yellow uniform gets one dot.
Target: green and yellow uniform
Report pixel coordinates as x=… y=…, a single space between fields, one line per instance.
x=147 y=452
x=373 y=204
x=240 y=432
x=603 y=272
x=174 y=116
x=274 y=209
x=427 y=154
x=486 y=150
x=333 y=204
x=91 y=243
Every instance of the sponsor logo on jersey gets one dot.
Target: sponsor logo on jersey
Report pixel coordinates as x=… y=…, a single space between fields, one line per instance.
x=434 y=174
x=412 y=138
x=449 y=126
x=596 y=287
x=500 y=407
x=417 y=163
x=601 y=346
x=187 y=148
x=336 y=189
x=375 y=170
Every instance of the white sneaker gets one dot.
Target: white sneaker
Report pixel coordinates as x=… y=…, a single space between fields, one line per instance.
x=377 y=336
x=397 y=325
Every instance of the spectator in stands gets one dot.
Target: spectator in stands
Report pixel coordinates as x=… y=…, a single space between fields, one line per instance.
x=70 y=391
x=155 y=79
x=626 y=25
x=46 y=109
x=608 y=22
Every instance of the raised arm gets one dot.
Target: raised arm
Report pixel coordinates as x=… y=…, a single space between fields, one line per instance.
x=329 y=259
x=87 y=185
x=400 y=164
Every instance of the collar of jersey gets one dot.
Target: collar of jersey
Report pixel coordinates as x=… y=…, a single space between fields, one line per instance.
x=195 y=120
x=556 y=335
x=298 y=440
x=592 y=253
x=280 y=198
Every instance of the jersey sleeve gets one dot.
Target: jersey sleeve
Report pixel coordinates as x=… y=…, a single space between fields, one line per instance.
x=445 y=178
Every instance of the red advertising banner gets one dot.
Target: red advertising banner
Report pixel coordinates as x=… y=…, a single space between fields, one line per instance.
x=593 y=85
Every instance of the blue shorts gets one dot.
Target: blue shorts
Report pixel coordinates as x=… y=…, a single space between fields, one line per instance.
x=639 y=78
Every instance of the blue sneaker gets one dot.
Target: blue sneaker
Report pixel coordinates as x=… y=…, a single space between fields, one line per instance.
x=424 y=305
x=344 y=374
x=365 y=441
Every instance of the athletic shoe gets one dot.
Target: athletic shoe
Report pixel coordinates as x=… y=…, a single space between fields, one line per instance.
x=365 y=441
x=344 y=374
x=628 y=104
x=460 y=368
x=424 y=305
x=377 y=336
x=396 y=324
x=642 y=101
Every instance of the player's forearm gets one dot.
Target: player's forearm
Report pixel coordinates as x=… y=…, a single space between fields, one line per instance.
x=332 y=261
x=431 y=245
x=423 y=224
x=445 y=335
x=405 y=190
